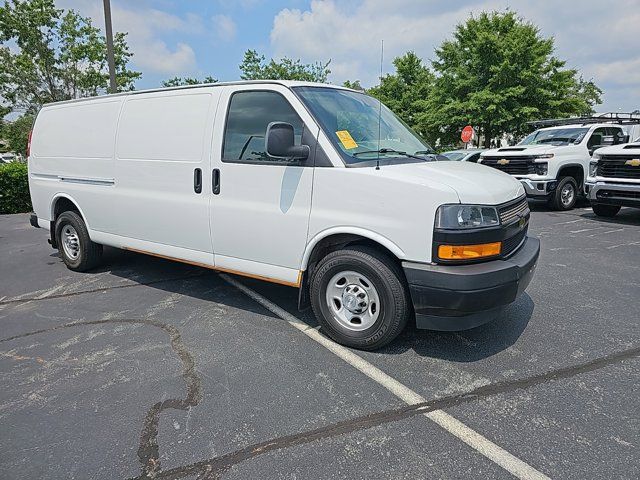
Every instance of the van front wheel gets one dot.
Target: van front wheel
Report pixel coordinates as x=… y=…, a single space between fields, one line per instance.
x=77 y=250
x=360 y=297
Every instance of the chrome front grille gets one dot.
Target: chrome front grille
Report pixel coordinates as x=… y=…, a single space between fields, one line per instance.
x=514 y=211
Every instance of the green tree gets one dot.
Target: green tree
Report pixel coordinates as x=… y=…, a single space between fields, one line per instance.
x=407 y=91
x=180 y=81
x=255 y=67
x=16 y=133
x=355 y=85
x=497 y=73
x=48 y=55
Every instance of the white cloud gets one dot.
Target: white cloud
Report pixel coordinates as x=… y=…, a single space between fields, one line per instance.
x=146 y=28
x=593 y=37
x=225 y=27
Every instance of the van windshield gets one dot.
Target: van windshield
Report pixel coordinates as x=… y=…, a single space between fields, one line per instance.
x=350 y=120
x=556 y=136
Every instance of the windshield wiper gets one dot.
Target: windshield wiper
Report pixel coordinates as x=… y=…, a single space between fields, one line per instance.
x=390 y=150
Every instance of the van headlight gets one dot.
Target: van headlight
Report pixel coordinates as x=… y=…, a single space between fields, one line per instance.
x=466 y=216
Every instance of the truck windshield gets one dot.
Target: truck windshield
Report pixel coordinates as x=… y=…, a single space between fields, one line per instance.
x=350 y=120
x=556 y=136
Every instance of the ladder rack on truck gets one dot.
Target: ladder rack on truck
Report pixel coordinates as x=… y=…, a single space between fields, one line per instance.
x=611 y=117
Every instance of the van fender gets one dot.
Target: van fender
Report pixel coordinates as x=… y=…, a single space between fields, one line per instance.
x=362 y=232
x=55 y=199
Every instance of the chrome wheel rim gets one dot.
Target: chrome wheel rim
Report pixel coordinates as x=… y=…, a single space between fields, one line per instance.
x=353 y=300
x=567 y=194
x=70 y=242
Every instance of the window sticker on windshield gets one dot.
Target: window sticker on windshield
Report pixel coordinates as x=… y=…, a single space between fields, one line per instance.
x=346 y=139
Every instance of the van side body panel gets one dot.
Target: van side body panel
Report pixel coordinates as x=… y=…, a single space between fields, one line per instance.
x=163 y=138
x=260 y=217
x=382 y=205
x=72 y=156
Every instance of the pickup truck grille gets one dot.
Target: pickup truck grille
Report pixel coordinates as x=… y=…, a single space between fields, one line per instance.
x=617 y=167
x=513 y=211
x=517 y=165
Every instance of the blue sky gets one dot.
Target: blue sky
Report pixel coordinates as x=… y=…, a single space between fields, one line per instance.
x=209 y=37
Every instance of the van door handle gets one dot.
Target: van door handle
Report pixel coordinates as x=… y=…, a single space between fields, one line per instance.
x=215 y=181
x=197 y=180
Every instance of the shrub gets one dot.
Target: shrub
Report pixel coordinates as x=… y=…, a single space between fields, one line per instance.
x=14 y=188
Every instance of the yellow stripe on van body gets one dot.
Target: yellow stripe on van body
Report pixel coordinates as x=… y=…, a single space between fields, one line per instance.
x=222 y=269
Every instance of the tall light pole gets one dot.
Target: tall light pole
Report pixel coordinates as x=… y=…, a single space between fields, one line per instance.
x=113 y=88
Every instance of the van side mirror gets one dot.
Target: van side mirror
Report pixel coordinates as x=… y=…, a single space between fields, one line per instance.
x=280 y=142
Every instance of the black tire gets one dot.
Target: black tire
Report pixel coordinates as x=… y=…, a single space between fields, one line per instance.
x=560 y=203
x=387 y=279
x=605 y=210
x=88 y=253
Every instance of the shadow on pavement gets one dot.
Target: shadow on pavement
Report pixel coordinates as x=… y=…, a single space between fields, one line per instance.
x=468 y=345
x=465 y=346
x=626 y=216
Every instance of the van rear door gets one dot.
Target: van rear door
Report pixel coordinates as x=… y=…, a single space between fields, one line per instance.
x=162 y=164
x=261 y=204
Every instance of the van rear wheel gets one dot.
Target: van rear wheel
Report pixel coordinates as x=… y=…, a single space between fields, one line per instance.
x=77 y=250
x=360 y=297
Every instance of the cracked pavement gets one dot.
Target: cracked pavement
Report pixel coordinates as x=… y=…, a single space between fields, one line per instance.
x=148 y=368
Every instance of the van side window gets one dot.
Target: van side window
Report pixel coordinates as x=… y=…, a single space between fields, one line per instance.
x=249 y=114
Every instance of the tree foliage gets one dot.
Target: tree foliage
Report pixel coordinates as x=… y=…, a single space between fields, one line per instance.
x=497 y=73
x=16 y=133
x=355 y=85
x=255 y=67
x=14 y=185
x=48 y=55
x=407 y=91
x=180 y=81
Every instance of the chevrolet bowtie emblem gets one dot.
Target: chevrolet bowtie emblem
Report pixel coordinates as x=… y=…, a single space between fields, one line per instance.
x=503 y=161
x=633 y=163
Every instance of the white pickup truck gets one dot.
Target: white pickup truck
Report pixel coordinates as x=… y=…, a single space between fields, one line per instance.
x=552 y=163
x=614 y=179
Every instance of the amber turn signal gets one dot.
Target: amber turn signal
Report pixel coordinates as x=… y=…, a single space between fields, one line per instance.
x=469 y=252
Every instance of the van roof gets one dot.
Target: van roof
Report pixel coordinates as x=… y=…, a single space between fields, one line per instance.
x=285 y=83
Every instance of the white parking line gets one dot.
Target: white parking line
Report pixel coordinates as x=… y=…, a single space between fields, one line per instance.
x=486 y=447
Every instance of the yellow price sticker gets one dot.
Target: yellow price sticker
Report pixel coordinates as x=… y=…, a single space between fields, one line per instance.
x=346 y=139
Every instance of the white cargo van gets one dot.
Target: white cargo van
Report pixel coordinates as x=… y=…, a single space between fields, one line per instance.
x=312 y=186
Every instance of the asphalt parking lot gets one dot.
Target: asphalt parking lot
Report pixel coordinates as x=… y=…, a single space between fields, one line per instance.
x=149 y=368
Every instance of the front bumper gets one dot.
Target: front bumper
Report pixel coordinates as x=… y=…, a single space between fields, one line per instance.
x=465 y=296
x=624 y=195
x=538 y=188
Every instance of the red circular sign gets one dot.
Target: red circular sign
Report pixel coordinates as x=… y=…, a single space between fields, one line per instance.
x=467 y=134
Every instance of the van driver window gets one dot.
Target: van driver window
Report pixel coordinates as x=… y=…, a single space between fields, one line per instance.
x=249 y=114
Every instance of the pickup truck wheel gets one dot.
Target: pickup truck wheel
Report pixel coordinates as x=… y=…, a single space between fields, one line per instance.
x=605 y=210
x=565 y=195
x=78 y=252
x=360 y=298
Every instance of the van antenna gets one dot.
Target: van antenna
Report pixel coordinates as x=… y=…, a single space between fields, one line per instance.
x=380 y=105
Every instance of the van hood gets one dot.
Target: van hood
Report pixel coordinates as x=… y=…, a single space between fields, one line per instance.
x=473 y=183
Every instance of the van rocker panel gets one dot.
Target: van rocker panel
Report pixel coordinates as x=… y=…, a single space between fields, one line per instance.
x=461 y=297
